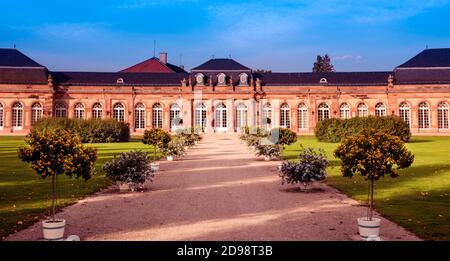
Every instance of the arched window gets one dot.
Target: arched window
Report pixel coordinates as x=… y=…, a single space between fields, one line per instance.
x=1 y=115
x=157 y=116
x=443 y=119
x=404 y=111
x=60 y=110
x=267 y=115
x=363 y=111
x=243 y=79
x=302 y=116
x=221 y=117
x=17 y=115
x=175 y=119
x=200 y=116
x=285 y=116
x=380 y=110
x=119 y=112
x=97 y=111
x=324 y=112
x=139 y=116
x=241 y=116
x=79 y=111
x=221 y=79
x=424 y=116
x=345 y=111
x=36 y=113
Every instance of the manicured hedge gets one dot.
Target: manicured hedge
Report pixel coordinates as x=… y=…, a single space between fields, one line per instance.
x=92 y=130
x=335 y=130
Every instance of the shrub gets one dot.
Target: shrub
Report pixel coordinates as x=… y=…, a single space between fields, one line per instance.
x=91 y=130
x=255 y=131
x=271 y=151
x=283 y=136
x=311 y=167
x=158 y=138
x=253 y=141
x=373 y=154
x=336 y=130
x=175 y=147
x=129 y=167
x=57 y=152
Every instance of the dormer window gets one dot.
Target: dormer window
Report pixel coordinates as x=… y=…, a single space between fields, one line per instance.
x=243 y=79
x=120 y=81
x=199 y=78
x=323 y=80
x=221 y=79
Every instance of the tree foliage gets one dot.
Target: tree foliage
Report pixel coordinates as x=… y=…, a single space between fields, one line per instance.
x=158 y=138
x=373 y=154
x=323 y=64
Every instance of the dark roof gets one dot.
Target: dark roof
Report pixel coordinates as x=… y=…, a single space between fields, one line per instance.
x=422 y=76
x=14 y=58
x=221 y=65
x=333 y=78
x=429 y=58
x=110 y=78
x=153 y=65
x=23 y=76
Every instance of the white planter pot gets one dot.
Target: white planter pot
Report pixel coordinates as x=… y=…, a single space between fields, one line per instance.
x=369 y=228
x=279 y=167
x=170 y=158
x=154 y=167
x=53 y=230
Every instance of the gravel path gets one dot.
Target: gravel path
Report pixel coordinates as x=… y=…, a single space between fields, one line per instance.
x=219 y=191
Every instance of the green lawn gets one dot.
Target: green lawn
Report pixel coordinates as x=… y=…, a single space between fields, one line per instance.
x=25 y=197
x=419 y=199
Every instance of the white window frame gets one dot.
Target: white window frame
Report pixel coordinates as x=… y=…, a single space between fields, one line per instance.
x=17 y=116
x=344 y=111
x=97 y=111
x=241 y=116
x=404 y=112
x=119 y=112
x=423 y=116
x=303 y=116
x=267 y=112
x=221 y=117
x=139 y=116
x=362 y=110
x=2 y=111
x=323 y=111
x=36 y=112
x=201 y=116
x=285 y=116
x=60 y=110
x=443 y=116
x=79 y=111
x=157 y=120
x=380 y=110
x=174 y=113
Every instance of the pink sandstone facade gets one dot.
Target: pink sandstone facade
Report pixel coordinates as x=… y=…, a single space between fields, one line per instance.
x=223 y=96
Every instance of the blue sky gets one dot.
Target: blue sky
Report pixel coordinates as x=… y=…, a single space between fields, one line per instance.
x=285 y=35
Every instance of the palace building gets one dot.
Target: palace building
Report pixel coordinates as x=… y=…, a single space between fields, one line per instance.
x=222 y=95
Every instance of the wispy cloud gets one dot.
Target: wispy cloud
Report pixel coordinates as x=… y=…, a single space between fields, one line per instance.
x=137 y=4
x=347 y=57
x=70 y=31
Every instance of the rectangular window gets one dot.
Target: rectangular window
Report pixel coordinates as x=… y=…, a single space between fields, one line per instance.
x=424 y=119
x=443 y=121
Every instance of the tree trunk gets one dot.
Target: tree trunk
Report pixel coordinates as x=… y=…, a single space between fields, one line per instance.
x=371 y=201
x=53 y=197
x=154 y=153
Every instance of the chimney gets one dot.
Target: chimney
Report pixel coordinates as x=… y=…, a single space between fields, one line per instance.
x=163 y=57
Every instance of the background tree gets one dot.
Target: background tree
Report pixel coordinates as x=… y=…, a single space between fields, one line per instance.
x=57 y=152
x=323 y=64
x=373 y=154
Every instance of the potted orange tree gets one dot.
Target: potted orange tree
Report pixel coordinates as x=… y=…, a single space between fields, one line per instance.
x=159 y=139
x=52 y=153
x=372 y=154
